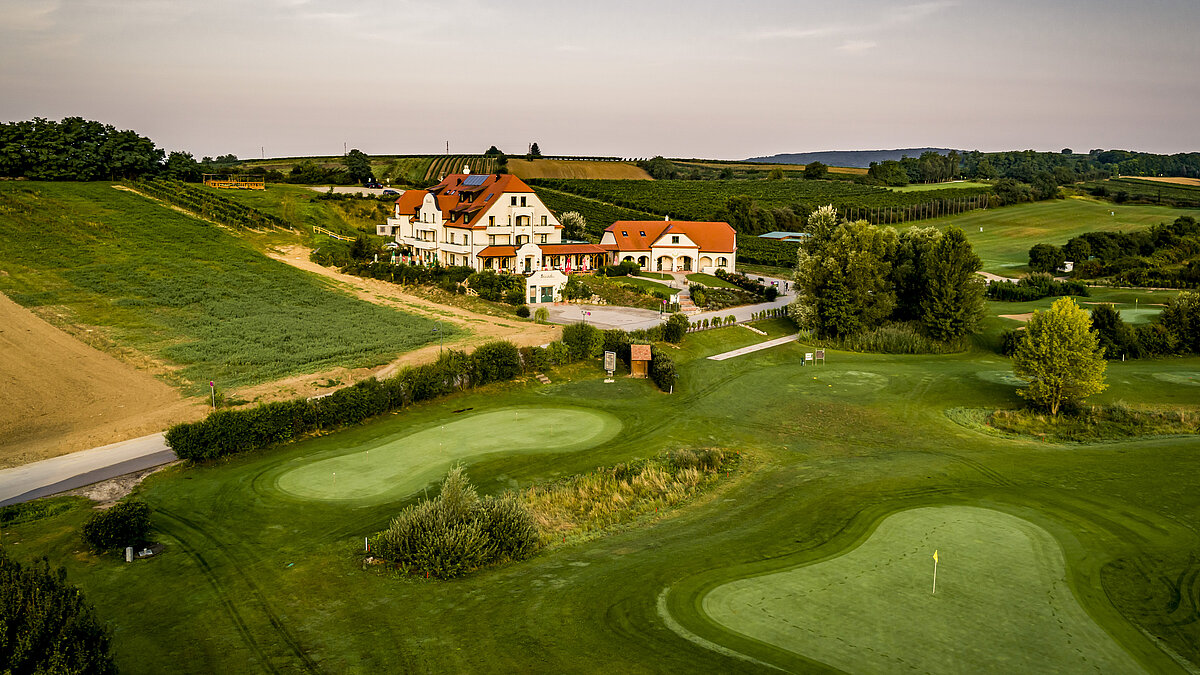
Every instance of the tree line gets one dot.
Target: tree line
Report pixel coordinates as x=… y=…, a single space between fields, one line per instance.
x=1167 y=254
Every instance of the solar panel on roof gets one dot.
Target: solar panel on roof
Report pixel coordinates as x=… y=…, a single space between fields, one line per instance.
x=475 y=180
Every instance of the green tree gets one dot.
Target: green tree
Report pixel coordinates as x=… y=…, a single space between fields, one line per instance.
x=776 y=174
x=358 y=165
x=815 y=170
x=1060 y=357
x=574 y=225
x=952 y=305
x=675 y=328
x=1046 y=258
x=182 y=166
x=1181 y=320
x=492 y=152
x=843 y=276
x=534 y=151
x=46 y=625
x=1115 y=336
x=583 y=340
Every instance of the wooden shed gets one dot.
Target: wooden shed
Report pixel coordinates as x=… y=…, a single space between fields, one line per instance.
x=639 y=360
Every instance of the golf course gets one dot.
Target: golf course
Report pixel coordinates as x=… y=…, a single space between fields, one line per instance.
x=815 y=555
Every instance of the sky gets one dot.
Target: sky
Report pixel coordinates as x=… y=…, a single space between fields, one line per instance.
x=725 y=80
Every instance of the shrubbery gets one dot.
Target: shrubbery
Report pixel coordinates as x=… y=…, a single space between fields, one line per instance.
x=457 y=531
x=1034 y=287
x=46 y=625
x=662 y=369
x=623 y=269
x=126 y=524
x=523 y=311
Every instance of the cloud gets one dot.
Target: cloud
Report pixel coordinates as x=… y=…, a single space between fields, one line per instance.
x=22 y=16
x=857 y=46
x=891 y=18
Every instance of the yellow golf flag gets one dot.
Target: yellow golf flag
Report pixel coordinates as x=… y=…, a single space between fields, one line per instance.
x=935 y=555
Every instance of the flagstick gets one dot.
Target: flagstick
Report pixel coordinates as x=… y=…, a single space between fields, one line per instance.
x=935 y=562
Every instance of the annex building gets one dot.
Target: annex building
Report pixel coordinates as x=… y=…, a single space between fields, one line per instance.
x=672 y=245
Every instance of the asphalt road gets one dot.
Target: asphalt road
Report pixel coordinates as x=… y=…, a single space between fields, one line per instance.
x=59 y=474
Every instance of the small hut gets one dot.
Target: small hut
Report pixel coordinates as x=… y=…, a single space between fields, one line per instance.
x=639 y=360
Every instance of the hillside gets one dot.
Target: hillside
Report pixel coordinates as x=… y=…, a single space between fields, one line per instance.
x=62 y=395
x=849 y=158
x=575 y=168
x=189 y=301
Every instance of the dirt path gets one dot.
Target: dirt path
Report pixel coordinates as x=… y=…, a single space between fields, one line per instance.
x=61 y=395
x=478 y=328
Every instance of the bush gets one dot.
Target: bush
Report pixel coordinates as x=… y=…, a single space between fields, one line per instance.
x=523 y=311
x=1009 y=340
x=495 y=361
x=541 y=315
x=46 y=625
x=125 y=524
x=675 y=328
x=582 y=340
x=457 y=532
x=662 y=369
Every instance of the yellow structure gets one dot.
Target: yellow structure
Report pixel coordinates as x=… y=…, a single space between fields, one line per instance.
x=235 y=182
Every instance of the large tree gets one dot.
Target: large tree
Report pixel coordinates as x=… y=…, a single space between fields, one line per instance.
x=46 y=625
x=842 y=276
x=358 y=164
x=1060 y=357
x=952 y=304
x=815 y=170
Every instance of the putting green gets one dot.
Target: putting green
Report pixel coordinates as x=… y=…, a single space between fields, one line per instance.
x=1002 y=605
x=398 y=466
x=1180 y=377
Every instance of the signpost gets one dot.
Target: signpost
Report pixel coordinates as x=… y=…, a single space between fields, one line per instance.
x=610 y=364
x=213 y=386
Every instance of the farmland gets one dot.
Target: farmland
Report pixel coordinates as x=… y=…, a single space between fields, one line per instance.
x=835 y=457
x=199 y=302
x=575 y=168
x=703 y=200
x=1168 y=192
x=598 y=214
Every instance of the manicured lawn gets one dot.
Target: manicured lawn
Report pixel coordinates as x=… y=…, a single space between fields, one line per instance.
x=654 y=275
x=924 y=187
x=1104 y=535
x=646 y=284
x=1009 y=232
x=709 y=280
x=184 y=292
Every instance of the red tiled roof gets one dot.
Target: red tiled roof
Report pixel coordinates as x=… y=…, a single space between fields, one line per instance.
x=639 y=352
x=455 y=199
x=716 y=237
x=498 y=252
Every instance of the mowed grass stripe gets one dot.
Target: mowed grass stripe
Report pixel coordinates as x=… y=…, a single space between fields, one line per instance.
x=1002 y=604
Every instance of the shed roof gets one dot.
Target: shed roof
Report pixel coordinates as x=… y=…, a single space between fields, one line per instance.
x=639 y=352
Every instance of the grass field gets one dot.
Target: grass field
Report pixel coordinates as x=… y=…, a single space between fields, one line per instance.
x=274 y=582
x=402 y=465
x=199 y=301
x=645 y=284
x=1009 y=232
x=1002 y=602
x=710 y=280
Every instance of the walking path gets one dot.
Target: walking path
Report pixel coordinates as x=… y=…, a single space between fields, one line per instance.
x=67 y=472
x=754 y=348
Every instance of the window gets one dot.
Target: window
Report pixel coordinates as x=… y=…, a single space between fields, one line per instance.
x=643 y=233
x=624 y=233
x=513 y=202
x=467 y=219
x=491 y=221
x=543 y=238
x=544 y=220
x=674 y=239
x=522 y=201
x=510 y=220
x=491 y=240
x=721 y=262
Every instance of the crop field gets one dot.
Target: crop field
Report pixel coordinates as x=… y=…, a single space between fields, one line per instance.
x=598 y=214
x=1174 y=180
x=1165 y=191
x=854 y=474
x=445 y=165
x=201 y=303
x=704 y=200
x=765 y=167
x=575 y=168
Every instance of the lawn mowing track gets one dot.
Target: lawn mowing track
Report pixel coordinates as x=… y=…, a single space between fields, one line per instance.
x=257 y=597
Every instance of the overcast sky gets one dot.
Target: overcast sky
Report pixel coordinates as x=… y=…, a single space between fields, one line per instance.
x=683 y=79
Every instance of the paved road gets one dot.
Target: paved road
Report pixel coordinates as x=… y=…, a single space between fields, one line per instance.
x=59 y=474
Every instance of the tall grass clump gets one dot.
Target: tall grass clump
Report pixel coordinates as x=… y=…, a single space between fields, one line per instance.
x=621 y=493
x=457 y=531
x=892 y=338
x=1082 y=424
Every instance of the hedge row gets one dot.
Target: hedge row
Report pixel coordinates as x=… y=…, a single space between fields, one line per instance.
x=227 y=432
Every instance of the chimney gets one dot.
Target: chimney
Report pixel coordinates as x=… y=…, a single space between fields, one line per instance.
x=467 y=169
x=666 y=217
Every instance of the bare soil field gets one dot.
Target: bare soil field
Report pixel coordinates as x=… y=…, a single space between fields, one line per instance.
x=61 y=395
x=1191 y=182
x=564 y=168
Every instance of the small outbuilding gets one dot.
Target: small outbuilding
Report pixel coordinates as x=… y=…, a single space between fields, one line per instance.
x=639 y=360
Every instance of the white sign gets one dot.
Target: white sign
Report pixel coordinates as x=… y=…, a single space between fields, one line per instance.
x=610 y=361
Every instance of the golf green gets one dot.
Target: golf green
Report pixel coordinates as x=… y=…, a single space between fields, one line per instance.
x=398 y=466
x=1002 y=602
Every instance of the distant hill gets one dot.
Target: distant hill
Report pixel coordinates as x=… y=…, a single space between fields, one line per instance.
x=858 y=158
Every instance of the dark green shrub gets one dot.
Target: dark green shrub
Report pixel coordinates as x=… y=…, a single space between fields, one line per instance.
x=1009 y=340
x=46 y=625
x=662 y=369
x=126 y=524
x=675 y=328
x=515 y=296
x=583 y=341
x=523 y=311
x=495 y=361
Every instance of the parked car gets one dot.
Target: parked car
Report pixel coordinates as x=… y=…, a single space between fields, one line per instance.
x=372 y=184
x=389 y=191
